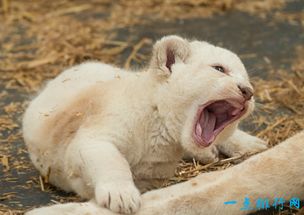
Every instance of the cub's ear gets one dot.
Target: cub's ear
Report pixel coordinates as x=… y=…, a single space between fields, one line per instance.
x=168 y=51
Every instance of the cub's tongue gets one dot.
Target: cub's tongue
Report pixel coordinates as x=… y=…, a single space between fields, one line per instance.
x=207 y=123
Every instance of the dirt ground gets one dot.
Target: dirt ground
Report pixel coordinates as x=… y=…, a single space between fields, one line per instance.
x=38 y=39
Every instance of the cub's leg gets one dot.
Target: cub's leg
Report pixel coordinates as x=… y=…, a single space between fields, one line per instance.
x=240 y=143
x=97 y=165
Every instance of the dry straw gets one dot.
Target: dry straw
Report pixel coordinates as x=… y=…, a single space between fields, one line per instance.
x=40 y=38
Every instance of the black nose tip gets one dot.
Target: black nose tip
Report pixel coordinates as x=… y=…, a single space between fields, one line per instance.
x=246 y=92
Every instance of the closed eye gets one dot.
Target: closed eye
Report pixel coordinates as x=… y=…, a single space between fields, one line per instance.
x=219 y=68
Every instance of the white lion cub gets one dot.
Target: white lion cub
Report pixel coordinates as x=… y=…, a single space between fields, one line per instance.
x=104 y=133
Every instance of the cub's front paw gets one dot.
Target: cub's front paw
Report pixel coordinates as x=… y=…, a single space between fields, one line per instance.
x=244 y=145
x=208 y=155
x=204 y=156
x=120 y=197
x=254 y=144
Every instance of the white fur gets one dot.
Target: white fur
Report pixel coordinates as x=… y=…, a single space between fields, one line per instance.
x=95 y=128
x=276 y=173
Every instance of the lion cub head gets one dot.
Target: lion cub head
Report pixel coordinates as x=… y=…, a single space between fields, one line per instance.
x=204 y=86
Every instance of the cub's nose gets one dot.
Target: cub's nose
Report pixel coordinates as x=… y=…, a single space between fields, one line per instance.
x=246 y=92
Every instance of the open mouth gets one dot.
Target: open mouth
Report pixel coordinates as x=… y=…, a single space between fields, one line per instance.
x=213 y=117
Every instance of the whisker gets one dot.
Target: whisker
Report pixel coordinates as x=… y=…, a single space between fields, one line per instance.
x=250 y=70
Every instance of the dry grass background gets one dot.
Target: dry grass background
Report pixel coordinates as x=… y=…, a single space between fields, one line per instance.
x=40 y=38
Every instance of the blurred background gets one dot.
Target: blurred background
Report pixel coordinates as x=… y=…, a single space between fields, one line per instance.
x=39 y=38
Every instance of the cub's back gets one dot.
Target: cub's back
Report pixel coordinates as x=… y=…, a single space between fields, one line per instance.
x=64 y=100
